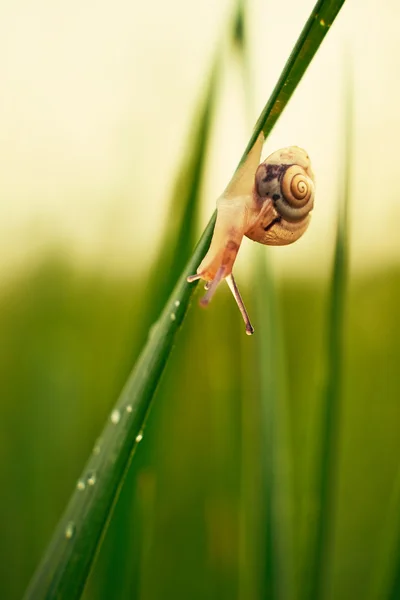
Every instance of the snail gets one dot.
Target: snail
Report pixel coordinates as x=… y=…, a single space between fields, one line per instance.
x=269 y=203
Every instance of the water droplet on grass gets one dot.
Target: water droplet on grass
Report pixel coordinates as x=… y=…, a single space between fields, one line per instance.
x=70 y=530
x=177 y=303
x=129 y=408
x=80 y=485
x=173 y=316
x=115 y=417
x=97 y=449
x=139 y=437
x=91 y=480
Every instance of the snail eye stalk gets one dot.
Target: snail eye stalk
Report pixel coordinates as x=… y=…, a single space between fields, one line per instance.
x=211 y=286
x=230 y=280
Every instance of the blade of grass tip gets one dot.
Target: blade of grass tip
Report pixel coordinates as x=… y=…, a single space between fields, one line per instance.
x=69 y=557
x=240 y=45
x=326 y=471
x=179 y=238
x=314 y=31
x=386 y=576
x=238 y=29
x=278 y=571
x=186 y=195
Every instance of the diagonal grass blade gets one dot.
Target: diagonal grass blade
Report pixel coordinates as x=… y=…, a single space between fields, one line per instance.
x=314 y=31
x=120 y=569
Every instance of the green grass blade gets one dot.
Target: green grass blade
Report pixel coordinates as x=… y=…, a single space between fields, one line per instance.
x=66 y=564
x=116 y=569
x=330 y=405
x=278 y=571
x=69 y=557
x=314 y=31
x=394 y=592
x=386 y=577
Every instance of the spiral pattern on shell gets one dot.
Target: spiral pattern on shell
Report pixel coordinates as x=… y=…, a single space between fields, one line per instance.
x=297 y=194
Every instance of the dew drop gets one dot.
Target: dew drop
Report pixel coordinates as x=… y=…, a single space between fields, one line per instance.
x=70 y=530
x=177 y=303
x=91 y=480
x=322 y=22
x=139 y=437
x=128 y=408
x=97 y=449
x=115 y=416
x=173 y=316
x=80 y=485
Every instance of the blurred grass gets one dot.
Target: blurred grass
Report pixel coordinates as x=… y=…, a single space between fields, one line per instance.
x=280 y=578
x=177 y=241
x=65 y=566
x=385 y=578
x=327 y=452
x=56 y=315
x=211 y=476
x=67 y=561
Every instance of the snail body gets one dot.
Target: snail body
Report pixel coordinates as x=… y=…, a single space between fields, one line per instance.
x=269 y=203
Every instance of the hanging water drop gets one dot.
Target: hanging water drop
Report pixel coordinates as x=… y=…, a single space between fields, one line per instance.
x=91 y=479
x=70 y=530
x=97 y=449
x=115 y=417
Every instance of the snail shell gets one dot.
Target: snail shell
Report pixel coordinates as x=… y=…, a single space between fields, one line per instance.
x=270 y=203
x=283 y=195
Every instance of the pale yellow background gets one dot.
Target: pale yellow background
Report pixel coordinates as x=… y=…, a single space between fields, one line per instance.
x=96 y=98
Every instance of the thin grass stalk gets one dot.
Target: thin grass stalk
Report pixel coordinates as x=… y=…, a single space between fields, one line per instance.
x=251 y=563
x=278 y=572
x=319 y=22
x=394 y=590
x=331 y=399
x=385 y=582
x=273 y=540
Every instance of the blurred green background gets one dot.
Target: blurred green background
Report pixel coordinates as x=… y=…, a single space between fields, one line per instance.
x=81 y=231
x=68 y=337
